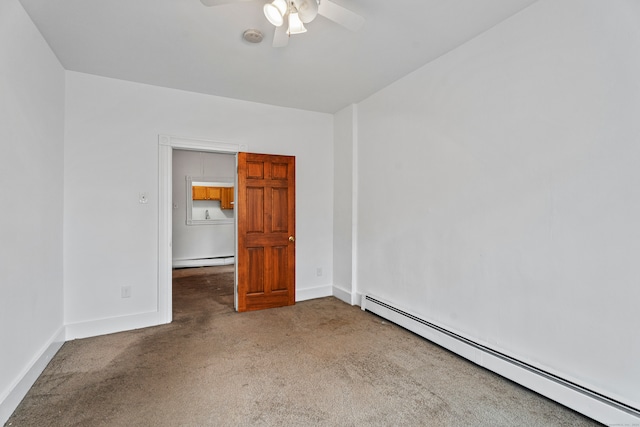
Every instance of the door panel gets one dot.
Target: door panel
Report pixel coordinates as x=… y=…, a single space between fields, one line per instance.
x=279 y=171
x=254 y=204
x=279 y=202
x=255 y=270
x=280 y=256
x=266 y=230
x=255 y=169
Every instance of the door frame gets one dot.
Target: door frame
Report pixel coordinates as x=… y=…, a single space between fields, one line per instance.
x=166 y=145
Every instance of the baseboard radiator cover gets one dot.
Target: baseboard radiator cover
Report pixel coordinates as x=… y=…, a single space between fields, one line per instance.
x=202 y=262
x=581 y=399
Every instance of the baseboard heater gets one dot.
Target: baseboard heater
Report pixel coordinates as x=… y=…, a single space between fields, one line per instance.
x=581 y=399
x=202 y=262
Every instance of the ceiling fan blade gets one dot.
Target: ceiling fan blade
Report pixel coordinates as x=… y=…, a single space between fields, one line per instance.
x=280 y=37
x=210 y=3
x=340 y=15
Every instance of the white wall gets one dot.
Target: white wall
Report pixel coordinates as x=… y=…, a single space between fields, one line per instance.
x=498 y=191
x=111 y=155
x=31 y=190
x=191 y=242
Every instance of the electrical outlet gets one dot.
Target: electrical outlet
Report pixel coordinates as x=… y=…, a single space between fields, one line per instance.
x=125 y=292
x=318 y=271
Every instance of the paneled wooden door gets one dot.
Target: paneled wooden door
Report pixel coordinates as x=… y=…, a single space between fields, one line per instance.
x=266 y=231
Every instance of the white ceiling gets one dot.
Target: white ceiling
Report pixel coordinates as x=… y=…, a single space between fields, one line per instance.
x=184 y=45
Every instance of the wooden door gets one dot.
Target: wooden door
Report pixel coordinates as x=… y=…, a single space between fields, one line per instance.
x=266 y=231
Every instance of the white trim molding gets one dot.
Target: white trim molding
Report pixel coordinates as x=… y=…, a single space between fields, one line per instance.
x=110 y=325
x=342 y=294
x=354 y=206
x=196 y=144
x=313 y=293
x=10 y=400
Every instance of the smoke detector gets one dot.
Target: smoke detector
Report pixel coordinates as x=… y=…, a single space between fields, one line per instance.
x=253 y=36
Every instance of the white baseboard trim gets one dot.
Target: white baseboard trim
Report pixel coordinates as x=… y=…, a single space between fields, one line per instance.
x=358 y=299
x=313 y=293
x=10 y=400
x=591 y=404
x=345 y=296
x=94 y=328
x=342 y=294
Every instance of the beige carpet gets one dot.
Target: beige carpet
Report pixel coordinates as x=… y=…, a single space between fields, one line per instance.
x=320 y=362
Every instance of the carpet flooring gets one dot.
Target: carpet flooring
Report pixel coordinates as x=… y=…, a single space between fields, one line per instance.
x=317 y=363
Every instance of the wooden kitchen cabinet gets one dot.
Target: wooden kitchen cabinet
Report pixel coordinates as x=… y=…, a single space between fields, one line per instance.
x=214 y=193
x=207 y=193
x=199 y=193
x=227 y=201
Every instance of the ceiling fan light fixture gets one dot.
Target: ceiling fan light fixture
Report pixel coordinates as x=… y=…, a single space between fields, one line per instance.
x=295 y=24
x=307 y=9
x=275 y=12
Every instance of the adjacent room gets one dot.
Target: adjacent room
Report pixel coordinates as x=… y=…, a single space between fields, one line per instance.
x=449 y=188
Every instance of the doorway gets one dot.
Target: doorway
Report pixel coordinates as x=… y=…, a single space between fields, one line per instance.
x=203 y=230
x=167 y=145
x=264 y=229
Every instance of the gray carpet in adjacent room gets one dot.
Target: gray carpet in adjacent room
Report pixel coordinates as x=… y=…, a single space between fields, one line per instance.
x=320 y=362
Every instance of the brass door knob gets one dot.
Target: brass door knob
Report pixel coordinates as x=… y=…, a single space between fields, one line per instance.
x=292 y=239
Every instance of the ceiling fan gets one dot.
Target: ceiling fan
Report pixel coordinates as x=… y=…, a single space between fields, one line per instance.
x=296 y=13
